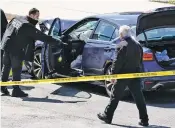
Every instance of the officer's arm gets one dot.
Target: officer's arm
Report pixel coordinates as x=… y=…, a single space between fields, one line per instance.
x=45 y=38
x=141 y=49
x=38 y=35
x=116 y=40
x=141 y=59
x=4 y=22
x=119 y=61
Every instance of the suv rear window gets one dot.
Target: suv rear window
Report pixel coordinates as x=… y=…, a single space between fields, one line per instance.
x=157 y=34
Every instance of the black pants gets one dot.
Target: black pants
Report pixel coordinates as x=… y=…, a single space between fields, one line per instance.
x=117 y=93
x=11 y=61
x=2 y=58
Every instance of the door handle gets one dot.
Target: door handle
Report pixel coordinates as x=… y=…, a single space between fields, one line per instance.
x=107 y=48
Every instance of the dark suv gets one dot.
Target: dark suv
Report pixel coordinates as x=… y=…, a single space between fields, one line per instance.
x=93 y=46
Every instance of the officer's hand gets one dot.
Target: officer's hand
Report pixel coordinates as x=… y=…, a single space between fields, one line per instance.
x=60 y=42
x=65 y=44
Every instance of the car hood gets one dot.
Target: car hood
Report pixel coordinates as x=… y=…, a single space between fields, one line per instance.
x=148 y=21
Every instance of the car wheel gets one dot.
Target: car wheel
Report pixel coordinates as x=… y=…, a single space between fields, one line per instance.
x=36 y=65
x=108 y=84
x=29 y=67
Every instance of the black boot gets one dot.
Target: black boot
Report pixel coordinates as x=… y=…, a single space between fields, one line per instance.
x=144 y=123
x=4 y=91
x=104 y=118
x=17 y=92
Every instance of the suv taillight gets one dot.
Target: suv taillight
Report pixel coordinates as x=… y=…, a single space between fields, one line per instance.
x=148 y=57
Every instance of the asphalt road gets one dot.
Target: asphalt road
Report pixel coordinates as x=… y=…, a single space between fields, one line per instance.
x=76 y=106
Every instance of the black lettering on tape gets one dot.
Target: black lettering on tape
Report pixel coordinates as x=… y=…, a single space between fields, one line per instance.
x=173 y=72
x=135 y=75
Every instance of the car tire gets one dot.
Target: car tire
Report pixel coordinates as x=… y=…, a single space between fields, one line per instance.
x=28 y=65
x=36 y=65
x=108 y=84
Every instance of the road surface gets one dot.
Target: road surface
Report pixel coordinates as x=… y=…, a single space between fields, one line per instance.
x=76 y=106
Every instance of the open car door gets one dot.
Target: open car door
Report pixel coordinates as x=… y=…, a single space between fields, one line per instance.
x=53 y=54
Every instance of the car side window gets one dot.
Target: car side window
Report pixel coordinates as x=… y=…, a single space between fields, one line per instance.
x=104 y=31
x=55 y=32
x=84 y=29
x=115 y=34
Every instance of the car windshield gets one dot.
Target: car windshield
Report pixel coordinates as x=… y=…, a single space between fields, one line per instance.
x=156 y=34
x=82 y=29
x=87 y=26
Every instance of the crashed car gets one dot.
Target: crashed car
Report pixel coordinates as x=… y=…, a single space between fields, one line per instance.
x=91 y=47
x=34 y=68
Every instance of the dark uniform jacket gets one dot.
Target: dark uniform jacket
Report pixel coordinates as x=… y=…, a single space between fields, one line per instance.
x=129 y=57
x=4 y=23
x=20 y=36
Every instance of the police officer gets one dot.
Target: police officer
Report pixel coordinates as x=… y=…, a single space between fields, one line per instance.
x=4 y=23
x=34 y=13
x=129 y=60
x=33 y=17
x=20 y=33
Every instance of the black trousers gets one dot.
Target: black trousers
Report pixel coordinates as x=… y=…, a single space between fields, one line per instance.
x=117 y=93
x=2 y=58
x=11 y=61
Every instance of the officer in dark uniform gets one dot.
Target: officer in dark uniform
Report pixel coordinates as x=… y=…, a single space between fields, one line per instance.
x=4 y=23
x=129 y=60
x=20 y=33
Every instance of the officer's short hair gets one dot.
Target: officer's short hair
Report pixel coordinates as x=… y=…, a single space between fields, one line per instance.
x=125 y=30
x=33 y=11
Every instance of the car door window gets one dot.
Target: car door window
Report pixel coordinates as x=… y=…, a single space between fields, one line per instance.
x=84 y=30
x=115 y=34
x=56 y=28
x=104 y=31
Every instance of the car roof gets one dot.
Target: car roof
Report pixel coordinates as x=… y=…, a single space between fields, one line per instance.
x=123 y=18
x=64 y=23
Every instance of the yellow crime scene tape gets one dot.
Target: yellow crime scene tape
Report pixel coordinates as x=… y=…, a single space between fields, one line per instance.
x=90 y=78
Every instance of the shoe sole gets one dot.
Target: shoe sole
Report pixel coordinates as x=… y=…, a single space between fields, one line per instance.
x=145 y=125
x=99 y=117
x=20 y=96
x=5 y=94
